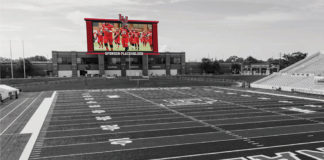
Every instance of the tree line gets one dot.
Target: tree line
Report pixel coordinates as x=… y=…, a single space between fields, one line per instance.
x=212 y=66
x=18 y=66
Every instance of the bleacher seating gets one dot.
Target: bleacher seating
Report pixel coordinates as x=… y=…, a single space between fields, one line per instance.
x=297 y=77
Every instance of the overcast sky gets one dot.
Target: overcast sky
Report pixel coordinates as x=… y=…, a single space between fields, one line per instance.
x=201 y=28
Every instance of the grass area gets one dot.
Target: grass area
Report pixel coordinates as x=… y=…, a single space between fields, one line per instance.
x=103 y=83
x=48 y=84
x=11 y=146
x=121 y=48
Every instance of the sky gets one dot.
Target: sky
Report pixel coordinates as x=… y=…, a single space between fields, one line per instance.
x=201 y=28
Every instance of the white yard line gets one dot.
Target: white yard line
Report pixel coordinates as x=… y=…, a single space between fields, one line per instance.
x=8 y=105
x=34 y=125
x=239 y=150
x=197 y=120
x=14 y=109
x=20 y=114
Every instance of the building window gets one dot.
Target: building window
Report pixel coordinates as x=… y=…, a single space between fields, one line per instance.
x=78 y=60
x=89 y=60
x=64 y=60
x=156 y=60
x=134 y=60
x=113 y=60
x=175 y=60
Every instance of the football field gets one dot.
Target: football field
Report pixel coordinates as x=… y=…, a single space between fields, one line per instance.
x=180 y=123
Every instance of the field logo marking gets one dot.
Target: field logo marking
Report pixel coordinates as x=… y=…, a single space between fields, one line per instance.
x=189 y=101
x=279 y=156
x=94 y=106
x=104 y=118
x=113 y=96
x=98 y=111
x=110 y=127
x=120 y=141
x=91 y=102
x=239 y=158
x=295 y=109
x=318 y=155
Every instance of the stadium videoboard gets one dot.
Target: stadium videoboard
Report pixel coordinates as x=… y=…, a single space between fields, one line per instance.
x=121 y=36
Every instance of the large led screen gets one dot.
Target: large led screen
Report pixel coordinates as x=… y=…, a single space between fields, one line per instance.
x=113 y=36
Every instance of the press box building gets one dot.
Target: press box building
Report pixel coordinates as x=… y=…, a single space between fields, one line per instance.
x=74 y=64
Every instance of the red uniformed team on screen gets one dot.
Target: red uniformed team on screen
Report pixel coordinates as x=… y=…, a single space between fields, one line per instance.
x=107 y=35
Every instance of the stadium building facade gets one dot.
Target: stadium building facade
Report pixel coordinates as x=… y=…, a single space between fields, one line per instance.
x=75 y=64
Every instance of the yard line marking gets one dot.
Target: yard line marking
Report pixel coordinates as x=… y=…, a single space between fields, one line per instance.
x=133 y=131
x=263 y=98
x=260 y=109
x=296 y=109
x=313 y=106
x=192 y=118
x=285 y=102
x=8 y=105
x=319 y=116
x=135 y=139
x=20 y=114
x=34 y=125
x=238 y=150
x=183 y=135
x=14 y=109
x=231 y=151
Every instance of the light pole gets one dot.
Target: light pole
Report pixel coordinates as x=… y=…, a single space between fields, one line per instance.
x=11 y=61
x=23 y=48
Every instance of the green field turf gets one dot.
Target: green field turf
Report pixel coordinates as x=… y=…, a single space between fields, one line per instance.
x=121 y=48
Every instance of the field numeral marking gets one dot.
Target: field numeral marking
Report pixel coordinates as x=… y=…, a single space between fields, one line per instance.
x=98 y=111
x=110 y=127
x=104 y=118
x=120 y=141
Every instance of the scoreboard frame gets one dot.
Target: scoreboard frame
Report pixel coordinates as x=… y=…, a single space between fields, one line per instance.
x=89 y=28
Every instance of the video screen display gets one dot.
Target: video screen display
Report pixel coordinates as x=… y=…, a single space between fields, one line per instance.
x=112 y=36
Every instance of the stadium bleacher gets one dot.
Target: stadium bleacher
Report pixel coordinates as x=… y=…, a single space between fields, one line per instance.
x=300 y=77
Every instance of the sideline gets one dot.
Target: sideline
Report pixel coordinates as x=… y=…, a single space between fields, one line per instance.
x=272 y=94
x=34 y=125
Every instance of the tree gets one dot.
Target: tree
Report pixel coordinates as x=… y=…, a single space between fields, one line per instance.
x=234 y=59
x=236 y=68
x=206 y=65
x=209 y=66
x=28 y=66
x=216 y=67
x=37 y=58
x=294 y=57
x=251 y=60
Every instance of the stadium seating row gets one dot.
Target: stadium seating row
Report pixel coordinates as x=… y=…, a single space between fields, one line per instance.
x=303 y=76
